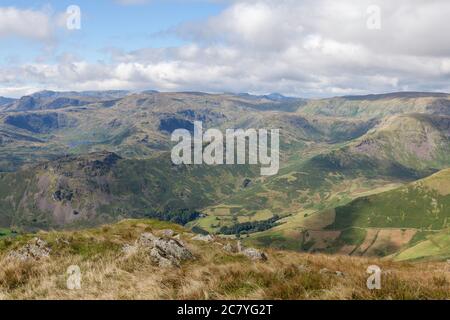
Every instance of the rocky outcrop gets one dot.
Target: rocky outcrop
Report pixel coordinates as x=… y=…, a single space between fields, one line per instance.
x=204 y=238
x=254 y=254
x=36 y=249
x=166 y=252
x=251 y=253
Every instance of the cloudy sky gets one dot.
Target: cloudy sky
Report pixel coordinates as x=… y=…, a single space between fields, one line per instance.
x=307 y=48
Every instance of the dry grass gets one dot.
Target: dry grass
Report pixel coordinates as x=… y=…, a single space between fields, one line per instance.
x=215 y=274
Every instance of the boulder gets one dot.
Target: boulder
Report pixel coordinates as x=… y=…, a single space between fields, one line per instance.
x=336 y=273
x=230 y=248
x=146 y=240
x=254 y=254
x=173 y=250
x=166 y=252
x=204 y=238
x=36 y=249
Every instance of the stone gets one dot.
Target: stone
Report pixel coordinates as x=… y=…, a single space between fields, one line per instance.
x=230 y=248
x=36 y=249
x=254 y=254
x=146 y=240
x=166 y=252
x=204 y=238
x=326 y=271
x=173 y=249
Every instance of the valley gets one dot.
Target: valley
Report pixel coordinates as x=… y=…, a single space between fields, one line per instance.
x=360 y=175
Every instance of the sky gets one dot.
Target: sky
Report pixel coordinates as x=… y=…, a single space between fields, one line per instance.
x=304 y=48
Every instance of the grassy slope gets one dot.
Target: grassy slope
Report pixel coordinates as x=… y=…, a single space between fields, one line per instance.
x=103 y=191
x=327 y=160
x=214 y=274
x=399 y=150
x=424 y=204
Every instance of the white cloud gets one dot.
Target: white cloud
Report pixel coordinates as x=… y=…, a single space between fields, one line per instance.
x=306 y=48
x=28 y=24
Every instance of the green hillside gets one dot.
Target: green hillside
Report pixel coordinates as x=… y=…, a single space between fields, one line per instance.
x=345 y=184
x=424 y=205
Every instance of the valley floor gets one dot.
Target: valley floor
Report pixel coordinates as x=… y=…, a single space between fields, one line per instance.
x=108 y=273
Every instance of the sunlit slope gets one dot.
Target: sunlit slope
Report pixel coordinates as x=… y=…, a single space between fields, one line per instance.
x=424 y=204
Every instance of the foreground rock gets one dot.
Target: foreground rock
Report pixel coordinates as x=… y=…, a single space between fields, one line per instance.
x=35 y=249
x=326 y=271
x=165 y=252
x=200 y=237
x=254 y=254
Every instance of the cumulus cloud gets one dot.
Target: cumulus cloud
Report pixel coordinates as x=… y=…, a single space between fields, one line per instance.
x=29 y=24
x=300 y=47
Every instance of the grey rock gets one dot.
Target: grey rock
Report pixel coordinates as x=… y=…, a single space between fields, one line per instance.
x=340 y=274
x=146 y=240
x=254 y=254
x=165 y=252
x=326 y=271
x=35 y=249
x=200 y=237
x=173 y=249
x=230 y=248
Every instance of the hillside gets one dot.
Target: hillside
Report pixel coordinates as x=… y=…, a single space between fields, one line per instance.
x=408 y=222
x=398 y=150
x=424 y=204
x=102 y=187
x=78 y=159
x=379 y=105
x=112 y=267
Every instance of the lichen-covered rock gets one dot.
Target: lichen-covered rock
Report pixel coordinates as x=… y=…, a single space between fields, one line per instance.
x=230 y=248
x=336 y=273
x=173 y=250
x=204 y=238
x=36 y=249
x=165 y=252
x=254 y=254
x=146 y=240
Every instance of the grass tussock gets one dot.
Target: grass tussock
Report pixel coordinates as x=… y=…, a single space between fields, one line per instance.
x=215 y=274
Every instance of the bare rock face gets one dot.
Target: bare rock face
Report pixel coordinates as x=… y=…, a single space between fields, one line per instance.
x=165 y=252
x=35 y=249
x=200 y=237
x=254 y=254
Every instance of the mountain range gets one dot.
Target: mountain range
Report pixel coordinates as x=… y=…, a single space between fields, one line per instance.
x=360 y=175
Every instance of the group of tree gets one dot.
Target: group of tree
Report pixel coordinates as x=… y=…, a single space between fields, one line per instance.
x=250 y=227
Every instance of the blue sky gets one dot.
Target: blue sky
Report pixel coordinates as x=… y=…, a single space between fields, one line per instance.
x=307 y=48
x=107 y=23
